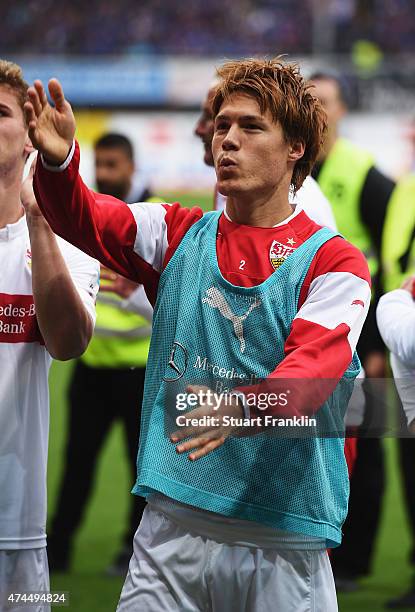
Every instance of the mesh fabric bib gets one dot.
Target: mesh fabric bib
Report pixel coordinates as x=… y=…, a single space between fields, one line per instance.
x=208 y=331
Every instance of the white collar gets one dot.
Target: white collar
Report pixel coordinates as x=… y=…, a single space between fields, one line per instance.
x=12 y=230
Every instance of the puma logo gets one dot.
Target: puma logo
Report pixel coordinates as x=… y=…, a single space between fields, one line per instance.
x=216 y=300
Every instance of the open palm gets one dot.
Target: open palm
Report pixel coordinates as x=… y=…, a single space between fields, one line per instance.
x=51 y=129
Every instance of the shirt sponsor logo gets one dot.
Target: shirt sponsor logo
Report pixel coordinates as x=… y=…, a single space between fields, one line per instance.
x=278 y=253
x=18 y=321
x=177 y=364
x=225 y=376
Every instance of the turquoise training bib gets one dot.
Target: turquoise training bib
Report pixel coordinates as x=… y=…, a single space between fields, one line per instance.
x=207 y=331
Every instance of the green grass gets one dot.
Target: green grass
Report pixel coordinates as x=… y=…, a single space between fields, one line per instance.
x=99 y=537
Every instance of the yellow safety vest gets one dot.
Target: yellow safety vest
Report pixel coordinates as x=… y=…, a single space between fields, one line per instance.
x=341 y=179
x=398 y=239
x=121 y=338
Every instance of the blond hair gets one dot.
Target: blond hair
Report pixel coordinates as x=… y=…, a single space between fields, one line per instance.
x=280 y=88
x=11 y=76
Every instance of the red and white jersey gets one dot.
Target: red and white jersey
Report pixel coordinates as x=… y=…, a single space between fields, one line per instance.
x=309 y=198
x=138 y=241
x=24 y=394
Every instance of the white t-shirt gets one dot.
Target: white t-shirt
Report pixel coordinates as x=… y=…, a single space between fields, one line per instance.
x=309 y=198
x=24 y=394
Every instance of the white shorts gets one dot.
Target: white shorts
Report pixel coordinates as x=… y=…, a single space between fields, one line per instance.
x=23 y=571
x=175 y=569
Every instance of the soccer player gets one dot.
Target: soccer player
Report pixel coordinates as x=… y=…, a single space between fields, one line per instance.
x=47 y=309
x=311 y=199
x=246 y=522
x=309 y=196
x=108 y=381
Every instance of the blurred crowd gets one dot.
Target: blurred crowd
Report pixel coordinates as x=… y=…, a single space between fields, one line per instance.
x=225 y=27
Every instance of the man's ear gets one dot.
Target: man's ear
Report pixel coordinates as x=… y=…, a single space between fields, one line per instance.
x=296 y=150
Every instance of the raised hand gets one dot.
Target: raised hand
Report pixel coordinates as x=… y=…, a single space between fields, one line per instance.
x=51 y=129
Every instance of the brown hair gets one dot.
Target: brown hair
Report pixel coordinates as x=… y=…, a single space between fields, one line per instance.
x=279 y=88
x=11 y=76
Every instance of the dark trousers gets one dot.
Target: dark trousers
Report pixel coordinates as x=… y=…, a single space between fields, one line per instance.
x=406 y=448
x=354 y=556
x=98 y=397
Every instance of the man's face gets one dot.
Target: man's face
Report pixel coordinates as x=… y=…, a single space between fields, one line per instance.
x=204 y=127
x=113 y=171
x=327 y=91
x=250 y=151
x=14 y=142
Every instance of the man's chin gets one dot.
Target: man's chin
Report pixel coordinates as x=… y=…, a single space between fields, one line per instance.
x=229 y=187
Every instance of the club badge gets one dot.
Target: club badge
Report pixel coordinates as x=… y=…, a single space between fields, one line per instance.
x=28 y=258
x=278 y=253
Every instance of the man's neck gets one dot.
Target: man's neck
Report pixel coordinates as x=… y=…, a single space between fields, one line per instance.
x=11 y=209
x=265 y=211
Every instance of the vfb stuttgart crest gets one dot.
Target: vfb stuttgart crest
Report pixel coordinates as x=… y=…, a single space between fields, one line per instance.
x=28 y=257
x=278 y=253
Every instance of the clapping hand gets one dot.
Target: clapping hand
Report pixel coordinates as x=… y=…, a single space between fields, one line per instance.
x=51 y=128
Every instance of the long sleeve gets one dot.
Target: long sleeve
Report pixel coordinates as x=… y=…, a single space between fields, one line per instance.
x=134 y=240
x=405 y=385
x=396 y=321
x=324 y=333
